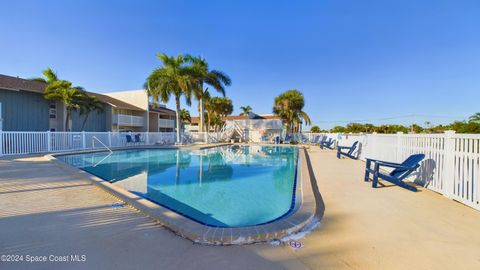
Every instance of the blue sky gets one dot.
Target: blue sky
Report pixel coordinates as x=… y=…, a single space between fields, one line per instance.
x=353 y=60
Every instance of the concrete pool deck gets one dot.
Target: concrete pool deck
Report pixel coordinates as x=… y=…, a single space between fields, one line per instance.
x=46 y=211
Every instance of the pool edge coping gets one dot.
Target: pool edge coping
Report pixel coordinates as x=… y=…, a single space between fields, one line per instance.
x=303 y=213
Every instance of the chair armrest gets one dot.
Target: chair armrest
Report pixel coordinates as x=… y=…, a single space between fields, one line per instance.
x=393 y=165
x=381 y=161
x=344 y=147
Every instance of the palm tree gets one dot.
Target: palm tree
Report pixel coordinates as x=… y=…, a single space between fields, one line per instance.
x=172 y=78
x=63 y=91
x=199 y=69
x=185 y=116
x=217 y=108
x=315 y=129
x=49 y=76
x=475 y=118
x=288 y=106
x=246 y=110
x=89 y=104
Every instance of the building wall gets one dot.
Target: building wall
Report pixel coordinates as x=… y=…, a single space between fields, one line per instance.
x=153 y=122
x=24 y=111
x=137 y=98
x=95 y=122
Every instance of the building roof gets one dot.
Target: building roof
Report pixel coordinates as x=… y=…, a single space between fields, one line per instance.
x=16 y=84
x=161 y=109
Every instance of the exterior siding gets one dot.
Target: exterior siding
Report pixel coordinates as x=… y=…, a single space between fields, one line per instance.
x=95 y=122
x=24 y=111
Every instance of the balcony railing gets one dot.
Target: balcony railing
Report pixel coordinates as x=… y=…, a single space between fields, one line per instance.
x=166 y=123
x=128 y=120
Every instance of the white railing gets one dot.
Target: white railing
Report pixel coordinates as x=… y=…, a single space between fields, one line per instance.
x=259 y=123
x=18 y=143
x=166 y=123
x=128 y=120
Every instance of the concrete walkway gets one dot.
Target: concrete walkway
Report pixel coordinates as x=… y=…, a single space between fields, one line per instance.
x=45 y=211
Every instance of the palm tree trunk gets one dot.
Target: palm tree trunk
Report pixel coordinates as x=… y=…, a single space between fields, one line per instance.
x=200 y=124
x=84 y=121
x=179 y=123
x=67 y=120
x=208 y=121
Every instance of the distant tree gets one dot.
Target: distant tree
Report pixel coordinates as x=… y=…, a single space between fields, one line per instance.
x=465 y=127
x=246 y=110
x=474 y=118
x=315 y=129
x=216 y=108
x=416 y=128
x=338 y=129
x=289 y=107
x=185 y=116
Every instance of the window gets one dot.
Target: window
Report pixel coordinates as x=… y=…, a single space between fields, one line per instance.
x=53 y=110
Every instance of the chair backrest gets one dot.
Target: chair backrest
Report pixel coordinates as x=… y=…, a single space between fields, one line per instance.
x=129 y=138
x=331 y=142
x=137 y=137
x=353 y=147
x=412 y=163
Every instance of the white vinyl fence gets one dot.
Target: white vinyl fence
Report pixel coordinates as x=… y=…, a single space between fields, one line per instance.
x=18 y=143
x=451 y=165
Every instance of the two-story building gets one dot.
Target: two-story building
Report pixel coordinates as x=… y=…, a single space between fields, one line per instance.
x=160 y=118
x=23 y=108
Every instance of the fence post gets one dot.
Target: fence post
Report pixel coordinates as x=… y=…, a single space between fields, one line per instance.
x=109 y=139
x=49 y=141
x=147 y=141
x=84 y=145
x=449 y=158
x=399 y=146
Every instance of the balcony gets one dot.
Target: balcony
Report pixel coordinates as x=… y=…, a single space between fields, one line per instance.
x=128 y=120
x=166 y=123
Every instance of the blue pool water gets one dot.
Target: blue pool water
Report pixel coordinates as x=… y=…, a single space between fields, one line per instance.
x=228 y=186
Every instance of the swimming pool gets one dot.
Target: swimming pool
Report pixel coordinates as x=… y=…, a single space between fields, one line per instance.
x=227 y=186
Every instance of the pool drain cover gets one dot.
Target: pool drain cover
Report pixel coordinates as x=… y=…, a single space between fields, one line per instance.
x=295 y=244
x=117 y=205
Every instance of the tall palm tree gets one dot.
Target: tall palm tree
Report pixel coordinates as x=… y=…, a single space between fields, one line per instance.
x=246 y=110
x=289 y=107
x=89 y=104
x=63 y=91
x=199 y=69
x=172 y=78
